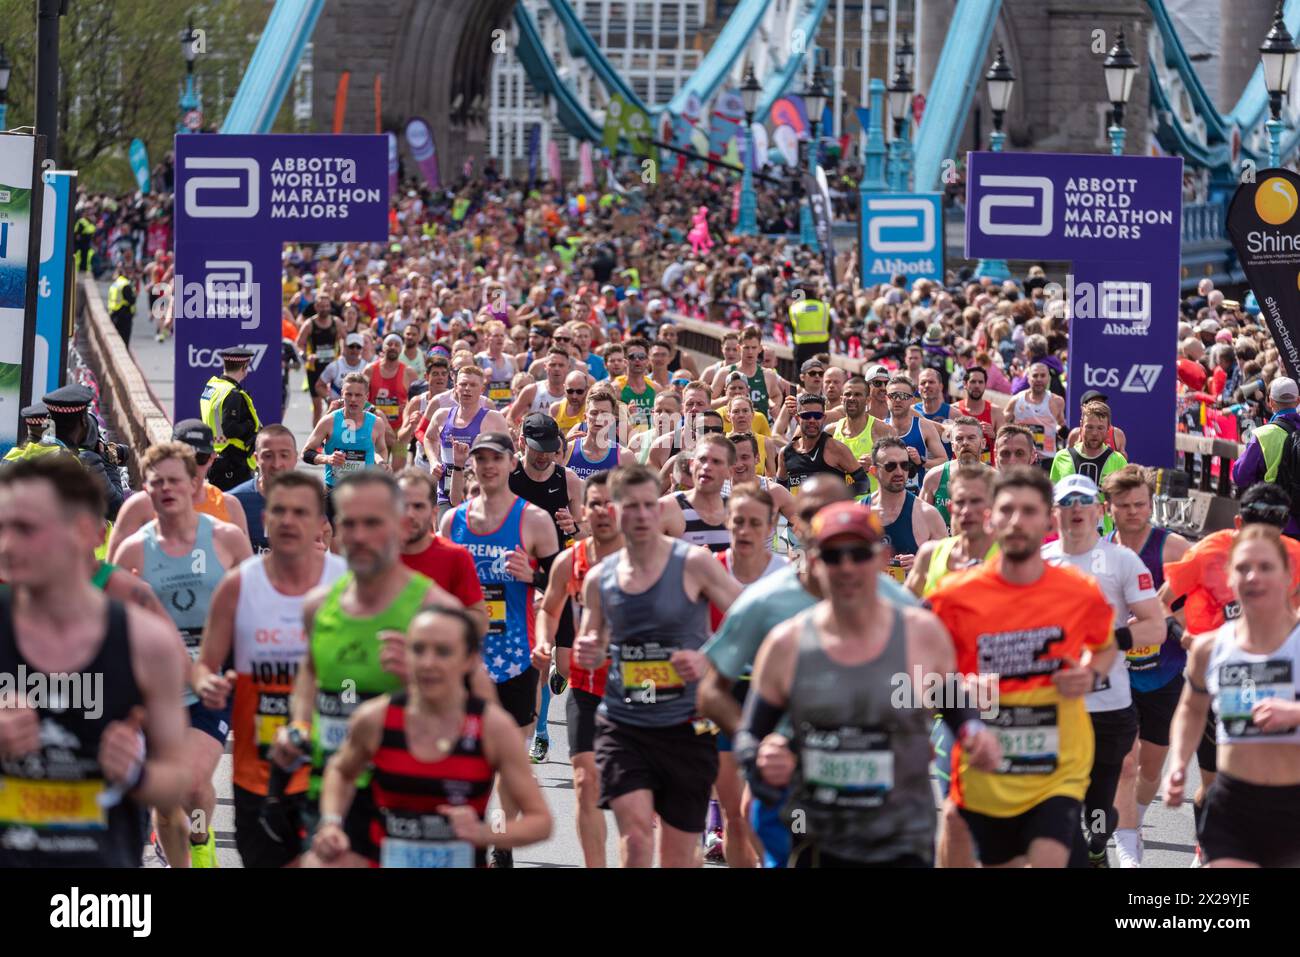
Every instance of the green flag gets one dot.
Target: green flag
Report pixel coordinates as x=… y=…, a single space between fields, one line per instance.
x=614 y=114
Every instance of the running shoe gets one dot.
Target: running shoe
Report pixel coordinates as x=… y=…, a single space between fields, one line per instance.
x=559 y=683
x=539 y=749
x=713 y=851
x=1198 y=859
x=158 y=849
x=205 y=854
x=502 y=858
x=1098 y=860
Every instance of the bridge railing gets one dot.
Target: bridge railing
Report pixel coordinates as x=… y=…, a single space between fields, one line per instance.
x=1204 y=223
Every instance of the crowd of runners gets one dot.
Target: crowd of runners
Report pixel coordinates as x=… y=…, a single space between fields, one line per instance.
x=891 y=611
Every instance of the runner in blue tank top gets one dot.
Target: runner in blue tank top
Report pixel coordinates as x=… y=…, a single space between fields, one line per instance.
x=931 y=387
x=917 y=432
x=352 y=438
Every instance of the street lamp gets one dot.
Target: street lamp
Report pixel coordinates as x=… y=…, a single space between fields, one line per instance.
x=1278 y=55
x=814 y=99
x=900 y=103
x=750 y=88
x=1120 y=68
x=189 y=101
x=905 y=54
x=1001 y=81
x=4 y=87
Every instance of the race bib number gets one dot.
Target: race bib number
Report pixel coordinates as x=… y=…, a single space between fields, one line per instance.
x=52 y=804
x=325 y=355
x=272 y=715
x=1142 y=659
x=331 y=725
x=1243 y=684
x=1030 y=739
x=648 y=675
x=1040 y=436
x=354 y=461
x=897 y=572
x=388 y=408
x=397 y=852
x=846 y=767
x=494 y=596
x=333 y=732
x=193 y=638
x=499 y=393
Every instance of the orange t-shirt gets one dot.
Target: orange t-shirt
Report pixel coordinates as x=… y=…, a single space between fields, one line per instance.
x=1023 y=633
x=1202 y=576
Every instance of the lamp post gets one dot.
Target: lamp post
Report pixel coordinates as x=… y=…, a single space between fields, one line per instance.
x=750 y=88
x=815 y=100
x=1120 y=68
x=4 y=88
x=900 y=105
x=1279 y=56
x=189 y=101
x=1001 y=80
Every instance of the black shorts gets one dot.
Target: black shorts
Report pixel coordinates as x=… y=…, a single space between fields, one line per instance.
x=1114 y=733
x=564 y=627
x=518 y=696
x=1207 y=751
x=356 y=823
x=580 y=713
x=1252 y=822
x=1001 y=839
x=313 y=376
x=675 y=764
x=1156 y=711
x=215 y=724
x=256 y=847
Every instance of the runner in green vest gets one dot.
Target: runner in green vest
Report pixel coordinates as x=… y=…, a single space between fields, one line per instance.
x=967 y=440
x=859 y=430
x=234 y=424
x=764 y=384
x=1092 y=456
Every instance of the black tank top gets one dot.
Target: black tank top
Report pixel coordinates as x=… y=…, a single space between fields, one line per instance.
x=550 y=495
x=800 y=465
x=323 y=344
x=49 y=813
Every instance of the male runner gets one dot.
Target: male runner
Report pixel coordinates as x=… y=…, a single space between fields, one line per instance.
x=321 y=340
x=647 y=608
x=812 y=450
x=461 y=423
x=351 y=438
x=730 y=346
x=498 y=367
x=513 y=544
x=446 y=564
x=699 y=516
x=541 y=396
x=908 y=521
x=1092 y=457
x=933 y=406
x=743 y=472
x=598 y=449
x=919 y=435
x=1014 y=446
x=389 y=383
x=764 y=384
x=276 y=451
x=1041 y=411
x=1155 y=672
x=682 y=430
x=330 y=384
x=1139 y=622
x=76 y=782
x=977 y=407
x=572 y=408
x=860 y=783
x=967 y=441
x=255 y=617
x=878 y=392
x=1045 y=632
x=635 y=389
x=860 y=430
x=355 y=640
x=561 y=605
x=182 y=554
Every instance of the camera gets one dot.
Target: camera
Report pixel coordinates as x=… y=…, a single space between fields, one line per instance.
x=114 y=453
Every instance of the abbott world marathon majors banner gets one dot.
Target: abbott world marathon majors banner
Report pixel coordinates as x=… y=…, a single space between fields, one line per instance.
x=1265 y=231
x=239 y=199
x=1118 y=221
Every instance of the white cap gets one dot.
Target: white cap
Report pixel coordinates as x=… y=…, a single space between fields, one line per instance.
x=1284 y=389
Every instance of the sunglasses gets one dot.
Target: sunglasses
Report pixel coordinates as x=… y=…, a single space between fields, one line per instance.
x=637 y=356
x=561 y=339
x=814 y=373
x=1075 y=499
x=892 y=466
x=858 y=554
x=354 y=347
x=900 y=395
x=202 y=458
x=709 y=429
x=812 y=416
x=575 y=391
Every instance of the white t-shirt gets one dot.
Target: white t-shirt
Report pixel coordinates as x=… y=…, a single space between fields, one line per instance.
x=1125 y=580
x=334 y=373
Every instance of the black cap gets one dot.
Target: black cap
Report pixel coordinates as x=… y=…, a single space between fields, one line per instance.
x=1092 y=394
x=68 y=400
x=194 y=432
x=496 y=441
x=812 y=364
x=36 y=412
x=542 y=433
x=236 y=354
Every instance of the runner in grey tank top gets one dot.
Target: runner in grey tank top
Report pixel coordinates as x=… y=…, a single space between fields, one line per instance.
x=863 y=779
x=644 y=689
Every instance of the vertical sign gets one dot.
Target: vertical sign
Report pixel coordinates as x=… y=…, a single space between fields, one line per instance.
x=20 y=156
x=56 y=287
x=1265 y=231
x=1119 y=220
x=238 y=200
x=900 y=233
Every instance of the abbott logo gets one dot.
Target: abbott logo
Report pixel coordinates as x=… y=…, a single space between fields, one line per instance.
x=911 y=214
x=193 y=184
x=992 y=201
x=1141 y=378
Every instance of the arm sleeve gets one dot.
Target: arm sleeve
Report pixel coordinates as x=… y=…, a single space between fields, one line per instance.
x=1249 y=467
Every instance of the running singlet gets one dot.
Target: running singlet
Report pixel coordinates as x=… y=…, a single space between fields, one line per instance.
x=461 y=433
x=50 y=813
x=389 y=394
x=408 y=828
x=1023 y=633
x=183 y=591
x=860 y=445
x=269 y=645
x=1202 y=576
x=639 y=405
x=550 y=495
x=509 y=640
x=254 y=505
x=345 y=658
x=939 y=559
x=800 y=465
x=322 y=346
x=1038 y=419
x=357 y=444
x=584 y=468
x=716 y=538
x=1238 y=680
x=499 y=375
x=899 y=533
x=214 y=503
x=543 y=398
x=757 y=388
x=1154 y=666
x=565 y=421
x=985 y=418
x=644 y=688
x=914 y=439
x=942 y=494
x=939 y=418
x=592 y=682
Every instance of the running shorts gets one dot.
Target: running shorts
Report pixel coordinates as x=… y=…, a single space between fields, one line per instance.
x=1156 y=711
x=675 y=764
x=580 y=713
x=1251 y=822
x=216 y=724
x=518 y=695
x=256 y=847
x=1001 y=839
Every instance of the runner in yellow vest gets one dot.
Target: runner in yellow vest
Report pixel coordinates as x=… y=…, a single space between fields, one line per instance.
x=234 y=423
x=859 y=430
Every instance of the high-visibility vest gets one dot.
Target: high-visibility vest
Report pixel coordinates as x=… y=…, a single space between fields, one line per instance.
x=810 y=320
x=116 y=300
x=210 y=405
x=1271 y=438
x=31 y=450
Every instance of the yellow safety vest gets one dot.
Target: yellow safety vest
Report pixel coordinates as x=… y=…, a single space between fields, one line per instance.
x=811 y=321
x=210 y=405
x=31 y=450
x=116 y=300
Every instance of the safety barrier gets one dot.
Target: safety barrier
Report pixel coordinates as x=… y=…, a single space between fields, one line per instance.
x=125 y=398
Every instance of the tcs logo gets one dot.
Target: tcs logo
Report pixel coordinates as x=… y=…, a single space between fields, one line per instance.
x=989 y=202
x=913 y=217
x=200 y=357
x=245 y=186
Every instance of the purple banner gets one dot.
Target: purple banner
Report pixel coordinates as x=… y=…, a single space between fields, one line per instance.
x=1118 y=220
x=420 y=139
x=394 y=164
x=238 y=200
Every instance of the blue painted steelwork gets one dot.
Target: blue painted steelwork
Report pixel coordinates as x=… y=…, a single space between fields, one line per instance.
x=777 y=83
x=272 y=67
x=542 y=74
x=582 y=43
x=722 y=56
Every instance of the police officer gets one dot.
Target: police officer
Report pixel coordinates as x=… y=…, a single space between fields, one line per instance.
x=228 y=411
x=121 y=302
x=35 y=418
x=83 y=234
x=810 y=323
x=76 y=431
